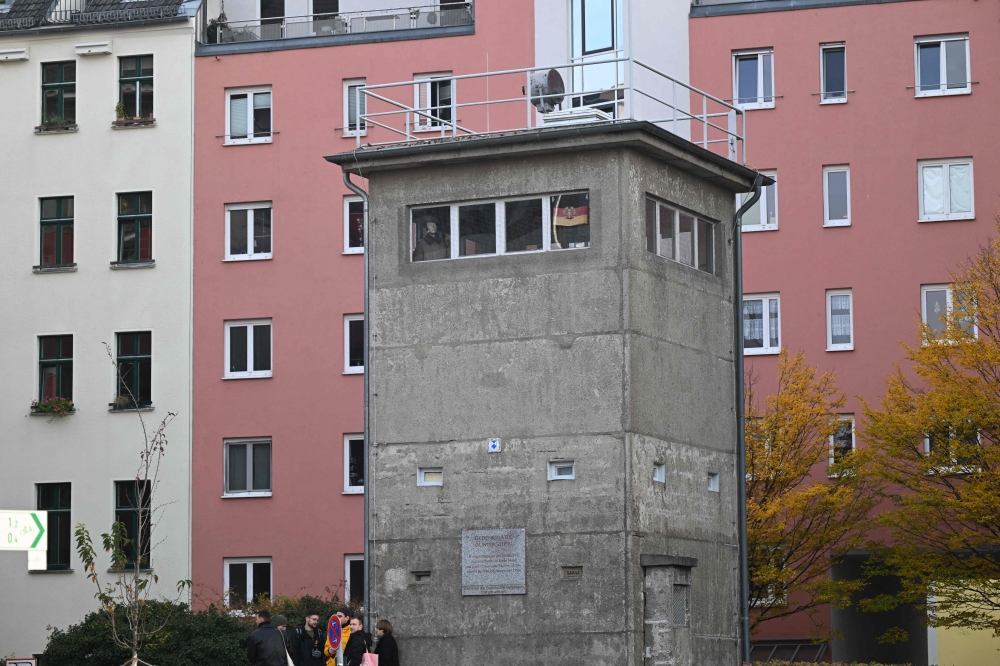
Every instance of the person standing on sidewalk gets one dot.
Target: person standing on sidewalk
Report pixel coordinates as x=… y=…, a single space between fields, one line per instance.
x=385 y=648
x=359 y=643
x=266 y=645
x=305 y=643
x=337 y=636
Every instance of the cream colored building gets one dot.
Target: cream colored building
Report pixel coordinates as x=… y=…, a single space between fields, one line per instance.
x=96 y=221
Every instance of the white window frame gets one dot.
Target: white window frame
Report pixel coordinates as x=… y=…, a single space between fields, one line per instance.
x=659 y=473
x=422 y=471
x=252 y=256
x=854 y=437
x=833 y=168
x=226 y=561
x=939 y=217
x=249 y=441
x=249 y=374
x=348 y=488
x=823 y=48
x=363 y=131
x=762 y=203
x=766 y=349
x=501 y=226
x=713 y=482
x=760 y=80
x=924 y=288
x=423 y=123
x=553 y=467
x=249 y=92
x=675 y=221
x=943 y=76
x=830 y=293
x=348 y=200
x=347 y=573
x=348 y=368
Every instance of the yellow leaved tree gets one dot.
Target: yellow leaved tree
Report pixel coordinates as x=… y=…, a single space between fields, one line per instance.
x=801 y=513
x=936 y=438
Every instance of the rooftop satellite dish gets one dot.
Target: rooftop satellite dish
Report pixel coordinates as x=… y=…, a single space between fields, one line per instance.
x=547 y=90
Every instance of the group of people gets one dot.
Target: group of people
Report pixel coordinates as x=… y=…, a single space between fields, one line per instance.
x=344 y=642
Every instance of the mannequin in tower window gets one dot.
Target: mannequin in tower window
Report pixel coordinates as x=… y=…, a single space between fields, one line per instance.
x=432 y=244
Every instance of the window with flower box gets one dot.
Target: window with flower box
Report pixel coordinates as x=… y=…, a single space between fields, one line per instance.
x=55 y=367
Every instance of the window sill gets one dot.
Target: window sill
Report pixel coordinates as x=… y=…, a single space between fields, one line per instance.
x=261 y=376
x=359 y=491
x=828 y=225
x=949 y=218
x=840 y=348
x=943 y=93
x=127 y=569
x=839 y=100
x=354 y=371
x=64 y=268
x=352 y=135
x=359 y=251
x=133 y=124
x=125 y=265
x=762 y=227
x=57 y=129
x=754 y=107
x=145 y=408
x=52 y=414
x=246 y=142
x=246 y=495
x=50 y=571
x=761 y=352
x=236 y=260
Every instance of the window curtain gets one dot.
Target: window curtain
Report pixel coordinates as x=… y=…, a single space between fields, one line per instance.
x=238 y=116
x=960 y=184
x=933 y=190
x=840 y=319
x=753 y=324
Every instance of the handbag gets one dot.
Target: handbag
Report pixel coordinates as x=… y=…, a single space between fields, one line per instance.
x=369 y=658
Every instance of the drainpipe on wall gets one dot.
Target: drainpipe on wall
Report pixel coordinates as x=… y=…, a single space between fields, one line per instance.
x=364 y=198
x=741 y=471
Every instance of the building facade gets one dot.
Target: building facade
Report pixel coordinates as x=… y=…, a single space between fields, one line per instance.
x=96 y=297
x=873 y=120
x=278 y=275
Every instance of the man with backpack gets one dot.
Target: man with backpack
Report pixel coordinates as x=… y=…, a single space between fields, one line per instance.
x=305 y=643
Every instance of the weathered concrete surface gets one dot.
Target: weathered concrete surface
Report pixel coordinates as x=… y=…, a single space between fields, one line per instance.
x=609 y=356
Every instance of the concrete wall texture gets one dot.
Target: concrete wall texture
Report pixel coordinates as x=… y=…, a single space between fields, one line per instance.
x=608 y=356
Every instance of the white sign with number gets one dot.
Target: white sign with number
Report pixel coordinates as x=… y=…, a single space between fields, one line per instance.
x=24 y=530
x=21 y=661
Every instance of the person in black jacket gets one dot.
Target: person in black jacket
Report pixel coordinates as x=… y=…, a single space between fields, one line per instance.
x=305 y=643
x=359 y=643
x=266 y=646
x=385 y=648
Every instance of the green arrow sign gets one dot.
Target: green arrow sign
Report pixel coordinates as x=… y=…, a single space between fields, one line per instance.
x=23 y=530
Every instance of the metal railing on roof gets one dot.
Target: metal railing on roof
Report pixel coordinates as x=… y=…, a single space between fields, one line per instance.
x=74 y=12
x=343 y=23
x=500 y=102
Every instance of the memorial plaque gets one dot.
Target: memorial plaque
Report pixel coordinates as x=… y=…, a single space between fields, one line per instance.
x=492 y=562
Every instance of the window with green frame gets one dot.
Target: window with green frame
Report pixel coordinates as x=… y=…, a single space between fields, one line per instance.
x=135 y=366
x=135 y=85
x=132 y=510
x=59 y=93
x=55 y=367
x=57 y=232
x=55 y=499
x=135 y=227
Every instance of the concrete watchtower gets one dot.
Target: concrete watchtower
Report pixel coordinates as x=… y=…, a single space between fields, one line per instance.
x=553 y=436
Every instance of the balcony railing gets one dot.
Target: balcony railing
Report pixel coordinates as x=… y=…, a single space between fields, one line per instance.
x=620 y=89
x=343 y=23
x=74 y=12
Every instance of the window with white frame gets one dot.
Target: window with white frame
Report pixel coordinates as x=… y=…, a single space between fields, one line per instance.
x=430 y=476
x=594 y=26
x=839 y=320
x=552 y=222
x=833 y=73
x=836 y=196
x=763 y=215
x=248 y=231
x=562 y=470
x=936 y=302
x=432 y=98
x=942 y=65
x=354 y=464
x=354 y=344
x=248 y=467
x=842 y=440
x=354 y=579
x=247 y=579
x=753 y=79
x=354 y=225
x=761 y=324
x=354 y=108
x=248 y=349
x=946 y=191
x=713 y=482
x=680 y=236
x=659 y=472
x=248 y=116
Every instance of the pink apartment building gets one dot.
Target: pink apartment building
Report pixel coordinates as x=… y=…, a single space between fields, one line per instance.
x=278 y=273
x=875 y=119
